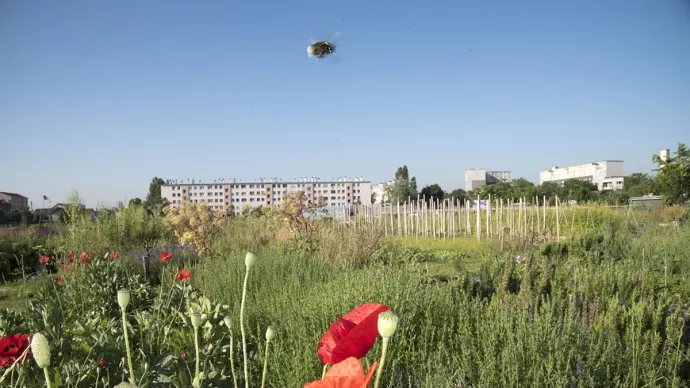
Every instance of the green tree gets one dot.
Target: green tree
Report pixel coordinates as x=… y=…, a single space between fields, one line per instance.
x=577 y=190
x=404 y=188
x=639 y=184
x=154 y=201
x=458 y=195
x=135 y=202
x=433 y=191
x=674 y=176
x=522 y=188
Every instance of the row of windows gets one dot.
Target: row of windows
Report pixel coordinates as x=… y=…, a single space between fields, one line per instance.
x=261 y=185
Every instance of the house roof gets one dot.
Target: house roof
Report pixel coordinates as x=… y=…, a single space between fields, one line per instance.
x=12 y=194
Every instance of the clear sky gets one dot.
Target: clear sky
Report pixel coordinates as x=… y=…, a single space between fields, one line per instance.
x=101 y=96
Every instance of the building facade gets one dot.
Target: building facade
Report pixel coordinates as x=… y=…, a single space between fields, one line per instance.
x=378 y=191
x=221 y=196
x=15 y=201
x=478 y=177
x=605 y=174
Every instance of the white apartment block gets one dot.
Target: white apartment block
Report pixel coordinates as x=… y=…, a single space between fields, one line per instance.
x=222 y=195
x=605 y=174
x=378 y=190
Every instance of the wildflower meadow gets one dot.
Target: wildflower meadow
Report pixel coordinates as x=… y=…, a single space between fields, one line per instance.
x=195 y=298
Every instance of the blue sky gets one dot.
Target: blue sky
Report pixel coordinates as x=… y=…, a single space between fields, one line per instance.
x=101 y=96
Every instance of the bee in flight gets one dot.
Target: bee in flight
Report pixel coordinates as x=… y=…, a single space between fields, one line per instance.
x=320 y=49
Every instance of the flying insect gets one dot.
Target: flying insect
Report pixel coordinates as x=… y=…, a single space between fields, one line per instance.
x=321 y=49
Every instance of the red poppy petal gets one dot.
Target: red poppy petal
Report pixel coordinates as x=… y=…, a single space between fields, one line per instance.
x=358 y=340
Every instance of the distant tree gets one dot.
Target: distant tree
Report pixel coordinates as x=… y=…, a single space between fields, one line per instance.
x=548 y=190
x=458 y=195
x=135 y=202
x=373 y=198
x=674 y=176
x=639 y=184
x=433 y=191
x=3 y=217
x=522 y=188
x=404 y=188
x=14 y=216
x=575 y=189
x=501 y=190
x=154 y=201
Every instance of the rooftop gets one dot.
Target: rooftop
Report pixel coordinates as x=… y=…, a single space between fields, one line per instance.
x=12 y=194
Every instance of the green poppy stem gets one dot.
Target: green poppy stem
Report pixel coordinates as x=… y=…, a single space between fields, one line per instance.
x=244 y=340
x=129 y=353
x=196 y=346
x=232 y=362
x=47 y=375
x=263 y=377
x=384 y=348
x=325 y=367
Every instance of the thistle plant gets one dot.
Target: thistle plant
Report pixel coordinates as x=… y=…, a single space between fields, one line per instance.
x=123 y=297
x=387 y=324
x=249 y=261
x=270 y=335
x=41 y=351
x=228 y=323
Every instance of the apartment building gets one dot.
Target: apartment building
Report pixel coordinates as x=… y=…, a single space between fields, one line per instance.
x=378 y=190
x=478 y=177
x=221 y=195
x=15 y=201
x=605 y=174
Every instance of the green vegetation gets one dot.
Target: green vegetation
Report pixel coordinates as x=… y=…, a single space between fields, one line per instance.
x=606 y=307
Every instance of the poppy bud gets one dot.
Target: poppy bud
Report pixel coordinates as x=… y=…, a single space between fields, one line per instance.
x=103 y=363
x=123 y=298
x=388 y=323
x=228 y=321
x=196 y=319
x=184 y=356
x=250 y=259
x=270 y=333
x=41 y=350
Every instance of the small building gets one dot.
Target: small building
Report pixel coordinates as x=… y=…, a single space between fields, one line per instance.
x=478 y=177
x=16 y=201
x=647 y=202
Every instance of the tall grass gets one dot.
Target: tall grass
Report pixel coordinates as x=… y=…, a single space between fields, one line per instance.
x=590 y=312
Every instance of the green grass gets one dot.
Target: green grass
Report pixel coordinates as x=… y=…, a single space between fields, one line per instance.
x=15 y=296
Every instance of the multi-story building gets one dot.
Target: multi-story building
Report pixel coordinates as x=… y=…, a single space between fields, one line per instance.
x=223 y=195
x=16 y=201
x=605 y=174
x=378 y=191
x=478 y=177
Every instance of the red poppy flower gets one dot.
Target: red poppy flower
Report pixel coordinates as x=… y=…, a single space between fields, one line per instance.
x=71 y=257
x=346 y=374
x=44 y=260
x=11 y=347
x=183 y=275
x=166 y=256
x=59 y=281
x=85 y=260
x=68 y=267
x=115 y=255
x=83 y=255
x=103 y=363
x=352 y=335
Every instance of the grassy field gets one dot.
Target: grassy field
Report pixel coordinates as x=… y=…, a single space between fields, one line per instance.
x=603 y=308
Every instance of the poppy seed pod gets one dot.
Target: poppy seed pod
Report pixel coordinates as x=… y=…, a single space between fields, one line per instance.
x=228 y=321
x=250 y=259
x=41 y=350
x=196 y=319
x=123 y=298
x=388 y=323
x=270 y=333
